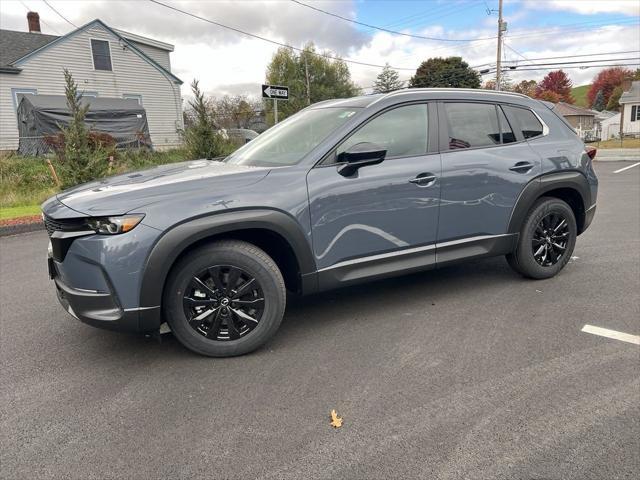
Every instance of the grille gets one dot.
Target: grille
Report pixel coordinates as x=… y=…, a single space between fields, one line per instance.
x=64 y=225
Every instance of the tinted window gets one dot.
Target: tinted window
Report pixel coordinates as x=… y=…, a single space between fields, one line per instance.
x=402 y=131
x=505 y=129
x=528 y=122
x=472 y=125
x=101 y=55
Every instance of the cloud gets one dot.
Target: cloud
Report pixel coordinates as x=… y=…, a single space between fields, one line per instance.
x=589 y=7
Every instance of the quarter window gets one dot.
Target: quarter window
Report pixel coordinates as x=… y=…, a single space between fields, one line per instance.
x=402 y=131
x=101 y=55
x=472 y=125
x=528 y=122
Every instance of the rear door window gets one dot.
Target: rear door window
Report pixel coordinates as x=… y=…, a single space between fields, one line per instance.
x=527 y=120
x=472 y=125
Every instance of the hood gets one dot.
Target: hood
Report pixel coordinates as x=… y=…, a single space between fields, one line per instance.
x=128 y=192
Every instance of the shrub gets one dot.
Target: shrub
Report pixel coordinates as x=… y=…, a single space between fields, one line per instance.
x=81 y=155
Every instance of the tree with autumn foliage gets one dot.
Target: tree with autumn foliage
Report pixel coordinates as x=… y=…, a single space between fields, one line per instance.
x=558 y=83
x=606 y=81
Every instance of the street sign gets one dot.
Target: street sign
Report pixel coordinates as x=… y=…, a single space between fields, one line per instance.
x=275 y=91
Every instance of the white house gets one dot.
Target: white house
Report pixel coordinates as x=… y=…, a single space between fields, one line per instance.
x=630 y=110
x=610 y=127
x=105 y=62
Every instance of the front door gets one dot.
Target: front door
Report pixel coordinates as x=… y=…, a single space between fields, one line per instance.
x=486 y=163
x=383 y=215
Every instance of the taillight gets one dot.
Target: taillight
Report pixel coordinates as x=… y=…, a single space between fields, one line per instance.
x=591 y=151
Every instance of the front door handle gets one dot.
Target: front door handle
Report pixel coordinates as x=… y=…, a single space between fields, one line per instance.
x=423 y=179
x=522 y=167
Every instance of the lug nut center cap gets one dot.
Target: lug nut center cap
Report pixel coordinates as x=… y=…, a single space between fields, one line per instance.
x=224 y=302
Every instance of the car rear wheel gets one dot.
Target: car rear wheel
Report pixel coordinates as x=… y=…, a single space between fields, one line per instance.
x=225 y=299
x=547 y=239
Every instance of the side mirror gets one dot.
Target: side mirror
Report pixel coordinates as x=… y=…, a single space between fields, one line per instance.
x=359 y=155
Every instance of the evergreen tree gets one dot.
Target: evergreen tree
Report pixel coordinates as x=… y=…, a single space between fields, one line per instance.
x=445 y=72
x=599 y=103
x=387 y=81
x=201 y=138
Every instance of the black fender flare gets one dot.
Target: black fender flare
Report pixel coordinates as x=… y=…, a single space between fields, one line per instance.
x=169 y=247
x=573 y=180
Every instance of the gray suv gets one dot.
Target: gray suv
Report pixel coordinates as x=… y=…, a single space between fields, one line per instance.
x=343 y=192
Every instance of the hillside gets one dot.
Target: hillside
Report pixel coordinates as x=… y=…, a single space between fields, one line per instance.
x=580 y=95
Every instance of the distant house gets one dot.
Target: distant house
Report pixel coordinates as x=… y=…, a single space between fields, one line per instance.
x=105 y=62
x=630 y=110
x=627 y=121
x=579 y=118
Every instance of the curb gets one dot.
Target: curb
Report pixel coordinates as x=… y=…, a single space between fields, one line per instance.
x=17 y=229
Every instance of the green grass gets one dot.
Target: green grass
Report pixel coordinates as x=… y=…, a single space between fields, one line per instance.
x=16 y=212
x=615 y=143
x=579 y=94
x=26 y=182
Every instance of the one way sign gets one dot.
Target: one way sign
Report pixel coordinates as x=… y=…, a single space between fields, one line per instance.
x=275 y=91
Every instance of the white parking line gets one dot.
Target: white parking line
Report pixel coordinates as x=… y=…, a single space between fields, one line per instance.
x=605 y=332
x=627 y=168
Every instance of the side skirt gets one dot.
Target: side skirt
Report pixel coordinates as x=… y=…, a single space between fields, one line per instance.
x=411 y=260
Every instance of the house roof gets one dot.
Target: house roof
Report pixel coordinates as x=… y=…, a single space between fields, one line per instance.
x=24 y=46
x=632 y=95
x=567 y=110
x=15 y=45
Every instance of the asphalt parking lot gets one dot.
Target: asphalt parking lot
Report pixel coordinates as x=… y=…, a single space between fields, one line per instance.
x=469 y=372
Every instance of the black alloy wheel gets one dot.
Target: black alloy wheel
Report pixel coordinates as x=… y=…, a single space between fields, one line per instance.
x=223 y=303
x=550 y=239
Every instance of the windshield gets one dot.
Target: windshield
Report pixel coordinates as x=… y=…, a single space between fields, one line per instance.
x=289 y=141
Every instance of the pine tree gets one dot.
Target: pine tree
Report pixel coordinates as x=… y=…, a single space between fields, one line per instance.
x=201 y=138
x=598 y=102
x=387 y=81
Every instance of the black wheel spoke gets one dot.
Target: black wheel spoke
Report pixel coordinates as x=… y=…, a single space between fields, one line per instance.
x=198 y=302
x=245 y=317
x=215 y=273
x=204 y=286
x=550 y=239
x=243 y=288
x=232 y=280
x=253 y=303
x=214 y=329
x=232 y=327
x=200 y=318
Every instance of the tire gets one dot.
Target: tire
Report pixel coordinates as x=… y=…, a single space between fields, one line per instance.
x=201 y=282
x=537 y=237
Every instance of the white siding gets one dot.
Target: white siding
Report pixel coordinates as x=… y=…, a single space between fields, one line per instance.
x=630 y=127
x=157 y=54
x=131 y=74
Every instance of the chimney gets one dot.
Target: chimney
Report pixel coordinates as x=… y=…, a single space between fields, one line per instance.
x=33 y=19
x=626 y=84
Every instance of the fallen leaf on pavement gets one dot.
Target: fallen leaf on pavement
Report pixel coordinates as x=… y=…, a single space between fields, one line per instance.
x=336 y=421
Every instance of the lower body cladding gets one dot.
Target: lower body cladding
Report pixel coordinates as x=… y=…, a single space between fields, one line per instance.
x=410 y=260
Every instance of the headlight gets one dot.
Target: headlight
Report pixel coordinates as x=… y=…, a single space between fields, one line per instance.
x=114 y=225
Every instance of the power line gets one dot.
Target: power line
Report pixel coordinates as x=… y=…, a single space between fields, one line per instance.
x=561 y=56
x=275 y=42
x=394 y=32
x=582 y=67
x=42 y=21
x=59 y=14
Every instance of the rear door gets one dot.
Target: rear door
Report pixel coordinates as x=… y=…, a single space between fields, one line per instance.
x=486 y=162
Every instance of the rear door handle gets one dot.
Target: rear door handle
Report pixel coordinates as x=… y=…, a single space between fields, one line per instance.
x=522 y=167
x=423 y=179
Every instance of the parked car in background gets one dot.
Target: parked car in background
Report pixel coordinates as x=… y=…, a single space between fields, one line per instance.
x=345 y=191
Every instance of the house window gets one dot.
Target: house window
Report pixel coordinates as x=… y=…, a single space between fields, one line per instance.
x=101 y=55
x=16 y=92
x=635 y=113
x=133 y=96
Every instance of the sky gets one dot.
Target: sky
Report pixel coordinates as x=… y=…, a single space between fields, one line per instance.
x=226 y=62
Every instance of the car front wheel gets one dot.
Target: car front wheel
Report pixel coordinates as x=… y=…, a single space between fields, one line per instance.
x=225 y=299
x=546 y=240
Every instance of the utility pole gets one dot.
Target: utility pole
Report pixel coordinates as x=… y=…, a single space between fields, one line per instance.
x=306 y=74
x=499 y=58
